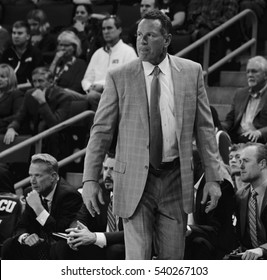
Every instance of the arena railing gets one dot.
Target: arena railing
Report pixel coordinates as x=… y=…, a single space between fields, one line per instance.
x=251 y=43
x=37 y=140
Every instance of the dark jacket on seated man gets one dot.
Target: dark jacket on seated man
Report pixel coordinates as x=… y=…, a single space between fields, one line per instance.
x=65 y=204
x=212 y=235
x=114 y=249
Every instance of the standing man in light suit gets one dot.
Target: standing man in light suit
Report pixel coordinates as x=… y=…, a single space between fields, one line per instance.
x=153 y=199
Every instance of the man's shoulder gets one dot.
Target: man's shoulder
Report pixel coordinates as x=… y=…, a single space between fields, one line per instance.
x=183 y=62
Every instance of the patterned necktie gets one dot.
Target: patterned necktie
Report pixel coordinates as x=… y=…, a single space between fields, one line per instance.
x=155 y=150
x=45 y=204
x=252 y=218
x=111 y=217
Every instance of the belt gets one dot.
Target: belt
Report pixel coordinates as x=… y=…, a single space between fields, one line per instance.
x=164 y=166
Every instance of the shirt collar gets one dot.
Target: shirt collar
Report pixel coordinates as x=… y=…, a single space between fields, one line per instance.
x=50 y=196
x=260 y=190
x=114 y=48
x=164 y=65
x=259 y=93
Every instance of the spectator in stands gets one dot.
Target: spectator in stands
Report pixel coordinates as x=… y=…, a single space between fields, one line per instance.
x=87 y=26
x=68 y=69
x=115 y=53
x=145 y=6
x=10 y=96
x=40 y=34
x=247 y=119
x=251 y=203
x=22 y=56
x=44 y=106
x=5 y=39
x=94 y=238
x=51 y=205
x=175 y=10
x=234 y=164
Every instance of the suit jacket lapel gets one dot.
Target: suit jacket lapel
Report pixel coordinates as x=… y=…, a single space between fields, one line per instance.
x=262 y=102
x=242 y=107
x=179 y=95
x=243 y=208
x=142 y=95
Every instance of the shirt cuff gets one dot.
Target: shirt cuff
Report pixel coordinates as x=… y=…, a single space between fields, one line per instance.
x=42 y=217
x=21 y=237
x=101 y=240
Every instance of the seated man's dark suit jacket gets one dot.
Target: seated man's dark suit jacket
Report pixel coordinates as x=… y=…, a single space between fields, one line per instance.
x=234 y=117
x=213 y=234
x=33 y=118
x=65 y=205
x=115 y=240
x=242 y=197
x=40 y=117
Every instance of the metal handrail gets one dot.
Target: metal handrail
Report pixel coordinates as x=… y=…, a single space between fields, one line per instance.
x=46 y=133
x=207 y=38
x=38 y=138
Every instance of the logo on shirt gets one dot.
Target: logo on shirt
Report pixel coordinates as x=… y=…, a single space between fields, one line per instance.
x=115 y=61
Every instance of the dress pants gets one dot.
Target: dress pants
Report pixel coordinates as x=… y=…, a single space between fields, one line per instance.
x=159 y=220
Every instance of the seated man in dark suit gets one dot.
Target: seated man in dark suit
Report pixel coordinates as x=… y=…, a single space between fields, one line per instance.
x=211 y=235
x=247 y=119
x=50 y=207
x=94 y=237
x=251 y=203
x=44 y=106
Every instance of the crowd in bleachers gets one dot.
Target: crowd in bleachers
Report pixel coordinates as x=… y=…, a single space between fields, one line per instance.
x=55 y=54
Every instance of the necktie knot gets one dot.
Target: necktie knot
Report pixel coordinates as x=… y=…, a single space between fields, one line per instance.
x=253 y=193
x=156 y=71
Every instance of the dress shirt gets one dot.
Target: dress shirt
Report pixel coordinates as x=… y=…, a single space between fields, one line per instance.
x=166 y=103
x=43 y=216
x=101 y=240
x=104 y=60
x=249 y=115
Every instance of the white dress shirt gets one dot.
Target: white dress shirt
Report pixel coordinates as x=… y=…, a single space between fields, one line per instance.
x=166 y=103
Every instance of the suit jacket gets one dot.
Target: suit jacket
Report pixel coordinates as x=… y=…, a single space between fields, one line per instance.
x=65 y=204
x=55 y=110
x=238 y=107
x=10 y=104
x=242 y=197
x=124 y=108
x=216 y=226
x=99 y=224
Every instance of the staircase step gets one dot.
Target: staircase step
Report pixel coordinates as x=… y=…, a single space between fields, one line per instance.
x=75 y=179
x=233 y=79
x=221 y=95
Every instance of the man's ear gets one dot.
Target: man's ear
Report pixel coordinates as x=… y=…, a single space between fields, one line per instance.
x=168 y=40
x=263 y=163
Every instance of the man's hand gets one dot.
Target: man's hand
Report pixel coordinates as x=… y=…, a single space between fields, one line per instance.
x=252 y=254
x=80 y=235
x=10 y=136
x=33 y=239
x=213 y=190
x=97 y=87
x=34 y=201
x=92 y=193
x=252 y=135
x=39 y=95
